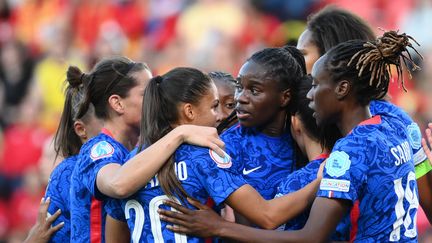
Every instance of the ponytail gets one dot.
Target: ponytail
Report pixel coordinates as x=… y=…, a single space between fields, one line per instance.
x=162 y=97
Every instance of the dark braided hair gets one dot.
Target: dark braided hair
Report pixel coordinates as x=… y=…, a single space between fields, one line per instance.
x=368 y=63
x=390 y=48
x=281 y=65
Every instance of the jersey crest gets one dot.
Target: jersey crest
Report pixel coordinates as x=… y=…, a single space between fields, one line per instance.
x=101 y=150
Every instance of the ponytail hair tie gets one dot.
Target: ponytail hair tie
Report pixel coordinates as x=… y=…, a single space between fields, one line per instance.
x=158 y=79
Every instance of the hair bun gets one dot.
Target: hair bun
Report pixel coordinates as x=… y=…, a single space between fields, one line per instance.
x=75 y=76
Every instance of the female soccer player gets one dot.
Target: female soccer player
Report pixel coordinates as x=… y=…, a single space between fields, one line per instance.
x=115 y=87
x=190 y=97
x=316 y=146
x=226 y=86
x=370 y=170
x=261 y=144
x=72 y=132
x=332 y=26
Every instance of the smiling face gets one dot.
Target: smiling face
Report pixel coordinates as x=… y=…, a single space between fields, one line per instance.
x=258 y=98
x=322 y=95
x=309 y=49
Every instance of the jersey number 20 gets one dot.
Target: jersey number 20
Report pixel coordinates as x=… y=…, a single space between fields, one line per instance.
x=154 y=220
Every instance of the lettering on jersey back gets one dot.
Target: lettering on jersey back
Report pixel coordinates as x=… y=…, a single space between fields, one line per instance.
x=180 y=169
x=402 y=153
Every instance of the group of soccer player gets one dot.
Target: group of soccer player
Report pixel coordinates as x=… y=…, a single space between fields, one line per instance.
x=308 y=145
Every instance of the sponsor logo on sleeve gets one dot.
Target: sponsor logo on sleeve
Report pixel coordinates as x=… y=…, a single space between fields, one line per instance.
x=335 y=185
x=101 y=150
x=224 y=162
x=338 y=163
x=414 y=135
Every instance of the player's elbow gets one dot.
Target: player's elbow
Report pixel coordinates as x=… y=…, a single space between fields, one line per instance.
x=121 y=190
x=267 y=222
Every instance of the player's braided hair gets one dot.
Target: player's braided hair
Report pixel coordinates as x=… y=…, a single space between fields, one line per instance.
x=370 y=63
x=389 y=48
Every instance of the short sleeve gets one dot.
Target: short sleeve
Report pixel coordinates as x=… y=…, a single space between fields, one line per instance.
x=345 y=171
x=414 y=138
x=114 y=209
x=99 y=155
x=216 y=175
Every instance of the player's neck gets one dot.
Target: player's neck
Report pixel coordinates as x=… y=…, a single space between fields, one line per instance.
x=276 y=127
x=352 y=117
x=313 y=148
x=122 y=133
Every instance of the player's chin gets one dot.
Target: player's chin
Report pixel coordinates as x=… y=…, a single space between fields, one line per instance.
x=247 y=122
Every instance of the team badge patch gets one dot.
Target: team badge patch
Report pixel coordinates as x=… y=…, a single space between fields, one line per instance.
x=101 y=150
x=338 y=163
x=335 y=185
x=414 y=135
x=224 y=162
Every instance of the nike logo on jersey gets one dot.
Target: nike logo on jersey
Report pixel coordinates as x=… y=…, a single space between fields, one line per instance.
x=247 y=172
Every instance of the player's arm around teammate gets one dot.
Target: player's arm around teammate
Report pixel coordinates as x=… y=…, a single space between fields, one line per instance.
x=339 y=94
x=42 y=231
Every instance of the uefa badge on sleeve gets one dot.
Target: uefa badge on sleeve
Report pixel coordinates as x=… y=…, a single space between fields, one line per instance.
x=414 y=135
x=224 y=162
x=338 y=163
x=101 y=150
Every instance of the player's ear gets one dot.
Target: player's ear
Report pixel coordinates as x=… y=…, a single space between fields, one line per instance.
x=80 y=129
x=188 y=112
x=342 y=89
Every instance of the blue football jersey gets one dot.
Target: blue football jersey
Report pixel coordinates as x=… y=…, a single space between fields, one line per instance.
x=296 y=181
x=58 y=189
x=202 y=173
x=87 y=203
x=373 y=168
x=263 y=161
x=387 y=109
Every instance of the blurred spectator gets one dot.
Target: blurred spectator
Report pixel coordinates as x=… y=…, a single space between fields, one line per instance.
x=50 y=74
x=16 y=70
x=22 y=141
x=33 y=18
x=25 y=202
x=208 y=23
x=5 y=22
x=416 y=21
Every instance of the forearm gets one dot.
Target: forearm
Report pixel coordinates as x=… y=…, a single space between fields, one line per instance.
x=270 y=214
x=136 y=172
x=282 y=209
x=241 y=233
